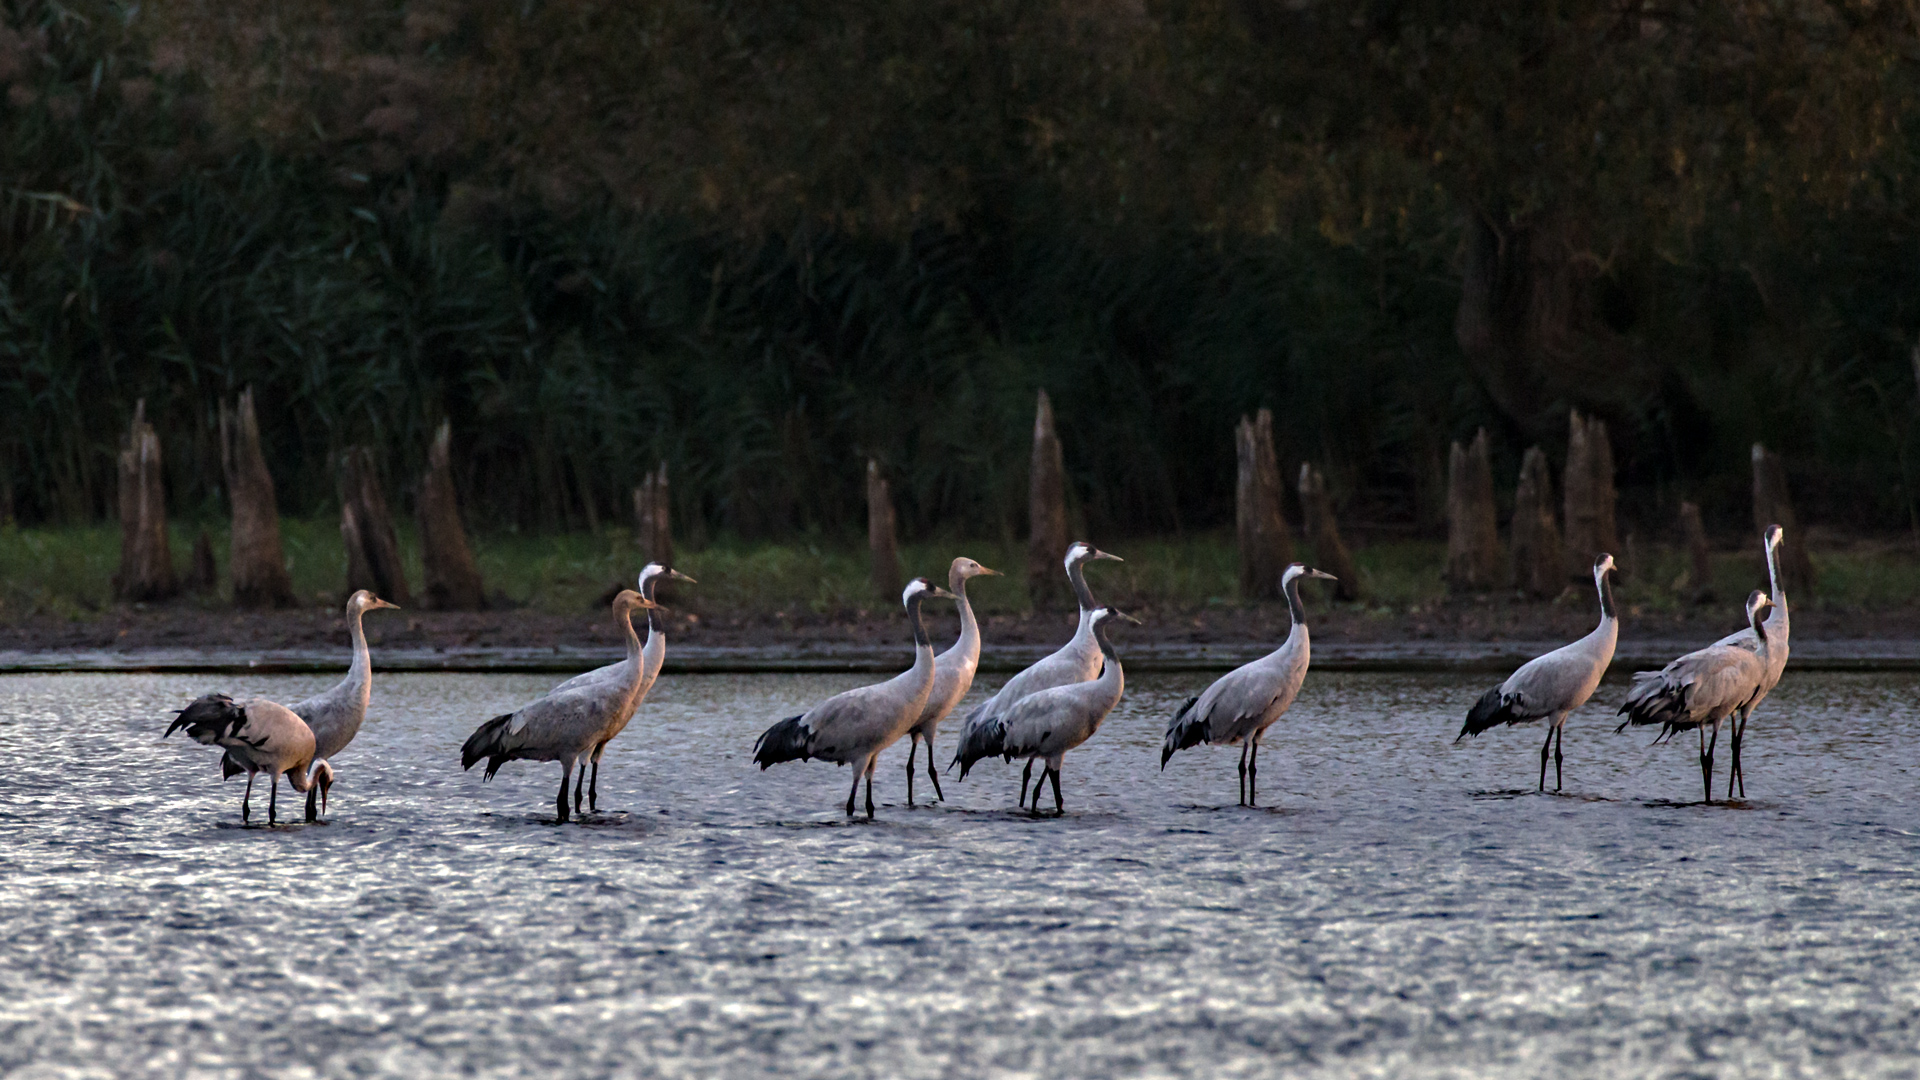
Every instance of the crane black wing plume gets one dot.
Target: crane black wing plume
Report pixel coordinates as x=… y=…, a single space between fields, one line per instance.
x=1189 y=728
x=210 y=719
x=788 y=740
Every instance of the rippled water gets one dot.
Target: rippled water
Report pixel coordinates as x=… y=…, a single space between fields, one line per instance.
x=1399 y=911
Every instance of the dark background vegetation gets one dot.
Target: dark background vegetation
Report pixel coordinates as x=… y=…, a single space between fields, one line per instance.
x=763 y=241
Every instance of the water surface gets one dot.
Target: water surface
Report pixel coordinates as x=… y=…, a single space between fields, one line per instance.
x=1403 y=907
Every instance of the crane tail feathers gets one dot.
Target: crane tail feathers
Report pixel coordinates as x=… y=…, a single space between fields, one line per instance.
x=788 y=740
x=1655 y=699
x=979 y=740
x=487 y=741
x=229 y=768
x=1493 y=709
x=209 y=719
x=1187 y=729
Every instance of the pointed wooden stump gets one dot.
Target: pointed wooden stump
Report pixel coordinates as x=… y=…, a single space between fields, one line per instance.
x=652 y=526
x=366 y=526
x=146 y=561
x=1537 y=567
x=1329 y=550
x=1266 y=545
x=452 y=580
x=1473 y=531
x=1773 y=506
x=1046 y=510
x=1697 y=583
x=883 y=541
x=254 y=554
x=1590 y=497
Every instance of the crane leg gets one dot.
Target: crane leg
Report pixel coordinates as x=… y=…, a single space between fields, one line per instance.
x=933 y=774
x=1736 y=775
x=1711 y=743
x=313 y=803
x=855 y=790
x=1026 y=775
x=273 y=798
x=913 y=747
x=1253 y=772
x=579 y=786
x=246 y=800
x=560 y=803
x=1038 y=783
x=1059 y=804
x=593 y=790
x=1559 y=739
x=1544 y=747
x=869 y=792
x=1243 y=772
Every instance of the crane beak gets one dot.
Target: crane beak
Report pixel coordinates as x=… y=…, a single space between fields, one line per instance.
x=988 y=571
x=941 y=594
x=379 y=603
x=1118 y=614
x=1322 y=575
x=1098 y=554
x=678 y=576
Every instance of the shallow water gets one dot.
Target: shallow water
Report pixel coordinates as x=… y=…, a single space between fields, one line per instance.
x=1405 y=907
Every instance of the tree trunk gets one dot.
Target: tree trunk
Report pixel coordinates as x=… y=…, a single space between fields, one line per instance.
x=146 y=561
x=1773 y=506
x=883 y=540
x=257 y=561
x=1590 y=497
x=1473 y=532
x=203 y=575
x=1329 y=551
x=1699 y=580
x=452 y=580
x=1538 y=568
x=373 y=552
x=1046 y=509
x=1266 y=547
x=652 y=528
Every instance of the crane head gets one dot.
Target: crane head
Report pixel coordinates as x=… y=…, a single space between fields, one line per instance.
x=1603 y=564
x=1303 y=570
x=1774 y=535
x=363 y=600
x=964 y=567
x=1081 y=551
x=322 y=777
x=920 y=589
x=1101 y=615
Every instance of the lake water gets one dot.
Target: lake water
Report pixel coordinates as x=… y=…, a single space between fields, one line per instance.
x=1404 y=907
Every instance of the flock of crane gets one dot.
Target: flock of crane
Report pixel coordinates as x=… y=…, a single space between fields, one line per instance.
x=1038 y=715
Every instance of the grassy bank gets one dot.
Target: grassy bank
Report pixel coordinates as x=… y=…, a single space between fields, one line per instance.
x=68 y=572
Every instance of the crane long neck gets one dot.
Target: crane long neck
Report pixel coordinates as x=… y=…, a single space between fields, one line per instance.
x=921 y=642
x=1292 y=592
x=1111 y=676
x=624 y=619
x=1773 y=577
x=1604 y=582
x=360 y=671
x=969 y=626
x=1077 y=576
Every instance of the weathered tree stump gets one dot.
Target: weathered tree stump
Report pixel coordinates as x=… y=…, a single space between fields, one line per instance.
x=883 y=539
x=1697 y=582
x=652 y=523
x=1773 y=506
x=373 y=552
x=1046 y=509
x=1537 y=566
x=255 y=557
x=1473 y=531
x=203 y=575
x=452 y=581
x=1266 y=547
x=1590 y=497
x=146 y=562
x=1329 y=550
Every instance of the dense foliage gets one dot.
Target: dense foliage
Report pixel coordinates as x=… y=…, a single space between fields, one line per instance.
x=765 y=241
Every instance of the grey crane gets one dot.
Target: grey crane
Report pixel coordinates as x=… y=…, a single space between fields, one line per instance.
x=1076 y=661
x=562 y=726
x=336 y=715
x=852 y=727
x=1778 y=629
x=653 y=656
x=952 y=672
x=1241 y=705
x=258 y=736
x=1705 y=687
x=1048 y=723
x=1550 y=687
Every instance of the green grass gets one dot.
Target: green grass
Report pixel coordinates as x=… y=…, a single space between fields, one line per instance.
x=68 y=572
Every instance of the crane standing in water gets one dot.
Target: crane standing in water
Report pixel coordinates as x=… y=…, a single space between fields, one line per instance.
x=952 y=672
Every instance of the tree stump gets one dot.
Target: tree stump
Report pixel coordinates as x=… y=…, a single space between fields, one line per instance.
x=1046 y=509
x=1537 y=566
x=373 y=552
x=1329 y=550
x=883 y=540
x=146 y=562
x=1266 y=547
x=452 y=580
x=652 y=525
x=254 y=554
x=203 y=575
x=1698 y=580
x=1473 y=531
x=1773 y=506
x=1590 y=496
